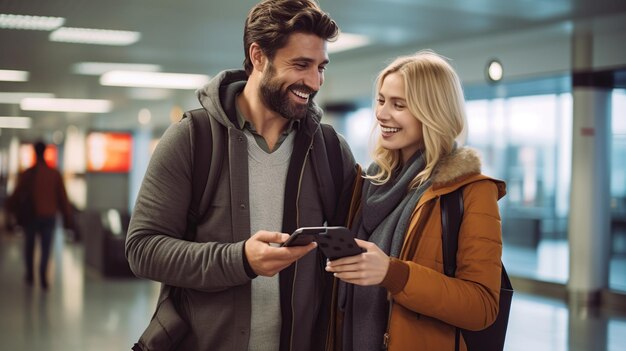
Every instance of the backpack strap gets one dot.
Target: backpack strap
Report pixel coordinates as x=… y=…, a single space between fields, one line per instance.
x=208 y=157
x=333 y=150
x=451 y=216
x=330 y=162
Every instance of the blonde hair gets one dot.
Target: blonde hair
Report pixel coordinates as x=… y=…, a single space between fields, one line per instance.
x=434 y=96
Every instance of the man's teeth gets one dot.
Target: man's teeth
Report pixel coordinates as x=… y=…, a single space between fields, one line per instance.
x=389 y=130
x=301 y=94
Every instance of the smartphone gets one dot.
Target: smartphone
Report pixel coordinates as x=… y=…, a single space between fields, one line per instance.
x=304 y=236
x=334 y=242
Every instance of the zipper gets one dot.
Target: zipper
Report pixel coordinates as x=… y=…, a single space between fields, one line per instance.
x=329 y=345
x=295 y=271
x=386 y=336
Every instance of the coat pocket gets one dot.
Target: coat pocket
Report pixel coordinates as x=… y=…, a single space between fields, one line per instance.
x=166 y=329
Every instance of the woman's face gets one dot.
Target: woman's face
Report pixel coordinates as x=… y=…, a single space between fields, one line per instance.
x=400 y=130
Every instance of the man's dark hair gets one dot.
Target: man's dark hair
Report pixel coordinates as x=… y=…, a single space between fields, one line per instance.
x=271 y=22
x=40 y=149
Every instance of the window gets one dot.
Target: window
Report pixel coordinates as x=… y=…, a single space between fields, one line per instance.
x=526 y=141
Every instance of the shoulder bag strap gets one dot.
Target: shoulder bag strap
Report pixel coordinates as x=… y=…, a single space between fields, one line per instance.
x=208 y=156
x=451 y=217
x=335 y=159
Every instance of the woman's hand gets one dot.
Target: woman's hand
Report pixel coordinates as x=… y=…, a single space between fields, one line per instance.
x=368 y=268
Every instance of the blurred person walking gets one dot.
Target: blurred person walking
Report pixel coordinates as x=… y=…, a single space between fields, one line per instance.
x=38 y=197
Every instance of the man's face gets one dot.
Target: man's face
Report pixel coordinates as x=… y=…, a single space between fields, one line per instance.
x=293 y=77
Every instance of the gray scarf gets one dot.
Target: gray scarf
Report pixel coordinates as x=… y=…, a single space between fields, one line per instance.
x=386 y=212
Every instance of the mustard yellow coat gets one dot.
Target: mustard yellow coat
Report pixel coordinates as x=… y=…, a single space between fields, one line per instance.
x=427 y=305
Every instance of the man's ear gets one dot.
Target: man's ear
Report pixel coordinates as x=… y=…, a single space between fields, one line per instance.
x=258 y=58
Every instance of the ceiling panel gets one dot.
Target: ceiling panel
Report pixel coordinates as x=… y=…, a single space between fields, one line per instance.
x=200 y=36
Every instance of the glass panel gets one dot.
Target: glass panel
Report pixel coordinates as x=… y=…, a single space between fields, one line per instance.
x=617 y=269
x=526 y=141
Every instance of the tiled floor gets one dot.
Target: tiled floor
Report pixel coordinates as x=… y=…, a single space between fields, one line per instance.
x=83 y=311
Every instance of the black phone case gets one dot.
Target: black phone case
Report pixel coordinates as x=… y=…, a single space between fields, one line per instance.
x=337 y=242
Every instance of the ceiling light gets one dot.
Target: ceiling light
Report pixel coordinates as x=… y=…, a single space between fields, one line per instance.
x=347 y=41
x=154 y=80
x=494 y=71
x=15 y=122
x=98 y=68
x=16 y=98
x=95 y=36
x=148 y=93
x=30 y=22
x=66 y=105
x=13 y=76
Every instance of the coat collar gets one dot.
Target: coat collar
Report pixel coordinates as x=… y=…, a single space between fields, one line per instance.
x=459 y=168
x=462 y=163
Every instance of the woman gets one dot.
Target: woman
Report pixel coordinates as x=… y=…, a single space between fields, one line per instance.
x=420 y=112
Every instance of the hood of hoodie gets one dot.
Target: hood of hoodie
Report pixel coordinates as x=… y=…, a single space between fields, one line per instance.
x=218 y=97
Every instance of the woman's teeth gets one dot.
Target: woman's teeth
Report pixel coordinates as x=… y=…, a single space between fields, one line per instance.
x=389 y=130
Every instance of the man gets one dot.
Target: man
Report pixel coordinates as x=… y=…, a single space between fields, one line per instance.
x=37 y=198
x=228 y=293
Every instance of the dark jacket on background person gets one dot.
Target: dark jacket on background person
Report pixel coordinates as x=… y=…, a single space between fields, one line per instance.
x=427 y=304
x=216 y=299
x=47 y=191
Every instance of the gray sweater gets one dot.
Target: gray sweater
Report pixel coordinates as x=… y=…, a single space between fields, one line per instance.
x=267 y=174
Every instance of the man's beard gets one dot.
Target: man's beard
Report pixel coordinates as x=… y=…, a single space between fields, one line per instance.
x=278 y=100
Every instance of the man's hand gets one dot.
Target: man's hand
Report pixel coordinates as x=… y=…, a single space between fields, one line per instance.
x=267 y=260
x=368 y=268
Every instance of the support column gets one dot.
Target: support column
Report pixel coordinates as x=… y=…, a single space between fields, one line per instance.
x=589 y=220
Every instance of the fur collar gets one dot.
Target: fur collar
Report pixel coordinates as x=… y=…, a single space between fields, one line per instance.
x=457 y=166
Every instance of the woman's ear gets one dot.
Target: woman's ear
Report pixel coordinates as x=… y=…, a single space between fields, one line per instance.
x=258 y=58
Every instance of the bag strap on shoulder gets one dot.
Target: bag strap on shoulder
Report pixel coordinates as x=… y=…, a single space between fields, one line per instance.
x=208 y=157
x=328 y=163
x=451 y=217
x=335 y=159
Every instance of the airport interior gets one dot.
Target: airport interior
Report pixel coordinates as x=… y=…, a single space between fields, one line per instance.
x=100 y=81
